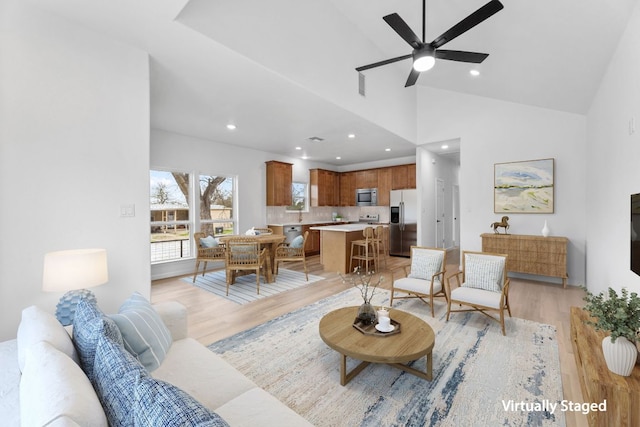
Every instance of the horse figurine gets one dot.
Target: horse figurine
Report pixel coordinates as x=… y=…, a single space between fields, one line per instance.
x=503 y=223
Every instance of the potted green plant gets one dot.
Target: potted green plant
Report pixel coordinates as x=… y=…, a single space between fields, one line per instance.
x=618 y=314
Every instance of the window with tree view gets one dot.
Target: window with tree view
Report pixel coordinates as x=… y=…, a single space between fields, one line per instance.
x=174 y=196
x=298 y=197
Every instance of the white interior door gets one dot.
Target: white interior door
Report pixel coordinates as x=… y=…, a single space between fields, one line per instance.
x=440 y=213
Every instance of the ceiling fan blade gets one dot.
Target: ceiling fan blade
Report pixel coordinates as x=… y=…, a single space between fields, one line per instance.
x=388 y=61
x=485 y=12
x=403 y=30
x=461 y=56
x=413 y=77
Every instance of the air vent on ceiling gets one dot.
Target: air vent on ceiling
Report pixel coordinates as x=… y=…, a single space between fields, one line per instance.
x=361 y=84
x=315 y=139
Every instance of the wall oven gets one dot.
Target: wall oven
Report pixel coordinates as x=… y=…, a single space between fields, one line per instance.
x=367 y=197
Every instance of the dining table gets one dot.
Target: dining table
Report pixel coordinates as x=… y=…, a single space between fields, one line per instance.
x=268 y=241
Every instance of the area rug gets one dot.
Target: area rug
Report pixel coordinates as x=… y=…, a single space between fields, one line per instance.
x=480 y=377
x=244 y=288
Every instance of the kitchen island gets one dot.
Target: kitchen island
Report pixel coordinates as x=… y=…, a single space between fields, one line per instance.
x=335 y=245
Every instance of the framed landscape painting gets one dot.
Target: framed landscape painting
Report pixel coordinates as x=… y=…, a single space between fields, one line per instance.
x=524 y=187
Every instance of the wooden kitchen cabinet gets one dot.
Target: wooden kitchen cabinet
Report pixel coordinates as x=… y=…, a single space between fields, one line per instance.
x=325 y=187
x=347 y=189
x=384 y=186
x=403 y=177
x=279 y=179
x=544 y=256
x=312 y=247
x=367 y=178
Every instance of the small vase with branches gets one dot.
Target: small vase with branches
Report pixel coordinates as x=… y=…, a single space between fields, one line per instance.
x=367 y=284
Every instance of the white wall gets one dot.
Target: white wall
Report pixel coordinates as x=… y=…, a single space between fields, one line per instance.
x=74 y=141
x=614 y=165
x=493 y=131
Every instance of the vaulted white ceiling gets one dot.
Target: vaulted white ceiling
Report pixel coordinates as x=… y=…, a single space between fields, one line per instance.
x=283 y=70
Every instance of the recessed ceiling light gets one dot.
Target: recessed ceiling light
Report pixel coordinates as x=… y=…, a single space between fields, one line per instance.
x=304 y=157
x=387 y=149
x=444 y=146
x=298 y=148
x=338 y=158
x=474 y=73
x=231 y=126
x=351 y=135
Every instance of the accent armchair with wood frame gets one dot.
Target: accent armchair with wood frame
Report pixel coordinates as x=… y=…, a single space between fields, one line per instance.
x=245 y=254
x=207 y=253
x=424 y=277
x=482 y=285
x=285 y=252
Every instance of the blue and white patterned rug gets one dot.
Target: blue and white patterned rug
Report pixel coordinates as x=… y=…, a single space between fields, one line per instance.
x=244 y=288
x=477 y=372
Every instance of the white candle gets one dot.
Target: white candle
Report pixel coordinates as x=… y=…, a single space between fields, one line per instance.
x=383 y=312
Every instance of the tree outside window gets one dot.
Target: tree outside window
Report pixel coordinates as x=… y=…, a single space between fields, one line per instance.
x=298 y=197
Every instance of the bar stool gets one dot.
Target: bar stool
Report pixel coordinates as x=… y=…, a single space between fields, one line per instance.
x=381 y=241
x=364 y=250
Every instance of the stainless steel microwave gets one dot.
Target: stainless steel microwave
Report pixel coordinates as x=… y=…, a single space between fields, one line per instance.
x=367 y=197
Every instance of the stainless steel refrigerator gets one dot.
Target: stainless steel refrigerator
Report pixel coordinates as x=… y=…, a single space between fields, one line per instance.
x=403 y=223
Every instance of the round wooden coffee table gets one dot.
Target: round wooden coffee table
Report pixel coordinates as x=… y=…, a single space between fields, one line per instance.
x=416 y=339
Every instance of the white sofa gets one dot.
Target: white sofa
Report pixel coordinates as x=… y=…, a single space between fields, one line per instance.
x=187 y=365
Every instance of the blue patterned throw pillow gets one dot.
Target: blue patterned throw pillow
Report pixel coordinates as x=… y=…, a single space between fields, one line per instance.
x=89 y=324
x=143 y=331
x=158 y=403
x=116 y=375
x=297 y=242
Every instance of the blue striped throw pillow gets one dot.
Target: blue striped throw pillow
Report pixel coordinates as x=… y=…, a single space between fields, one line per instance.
x=144 y=333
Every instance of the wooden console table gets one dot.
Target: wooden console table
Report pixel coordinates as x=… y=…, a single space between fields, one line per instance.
x=598 y=383
x=544 y=256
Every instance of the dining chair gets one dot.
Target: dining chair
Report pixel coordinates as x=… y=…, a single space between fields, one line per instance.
x=208 y=250
x=482 y=285
x=292 y=252
x=245 y=254
x=424 y=277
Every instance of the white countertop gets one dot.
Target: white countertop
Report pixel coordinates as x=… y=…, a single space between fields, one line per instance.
x=345 y=228
x=288 y=224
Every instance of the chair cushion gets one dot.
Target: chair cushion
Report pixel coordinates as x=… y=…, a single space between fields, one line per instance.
x=297 y=242
x=38 y=325
x=144 y=334
x=420 y=286
x=116 y=375
x=483 y=272
x=158 y=403
x=89 y=324
x=53 y=386
x=209 y=242
x=475 y=296
x=425 y=263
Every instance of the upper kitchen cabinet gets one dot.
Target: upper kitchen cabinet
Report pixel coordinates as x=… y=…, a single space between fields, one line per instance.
x=279 y=177
x=347 y=189
x=403 y=177
x=367 y=178
x=325 y=187
x=384 y=186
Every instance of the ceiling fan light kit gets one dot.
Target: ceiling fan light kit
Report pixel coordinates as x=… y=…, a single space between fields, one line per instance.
x=425 y=54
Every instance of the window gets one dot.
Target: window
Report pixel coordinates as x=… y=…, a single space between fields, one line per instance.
x=170 y=219
x=216 y=204
x=174 y=196
x=298 y=197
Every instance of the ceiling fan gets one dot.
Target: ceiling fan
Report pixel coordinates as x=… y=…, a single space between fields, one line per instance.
x=424 y=54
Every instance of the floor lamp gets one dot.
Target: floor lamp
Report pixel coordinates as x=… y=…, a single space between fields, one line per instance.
x=73 y=271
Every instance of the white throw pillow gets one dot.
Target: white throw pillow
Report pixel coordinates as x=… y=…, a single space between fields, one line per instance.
x=424 y=264
x=483 y=272
x=53 y=386
x=38 y=325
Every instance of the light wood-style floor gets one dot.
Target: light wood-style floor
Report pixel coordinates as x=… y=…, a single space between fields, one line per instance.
x=212 y=318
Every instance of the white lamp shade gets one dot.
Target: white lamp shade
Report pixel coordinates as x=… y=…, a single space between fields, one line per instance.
x=74 y=269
